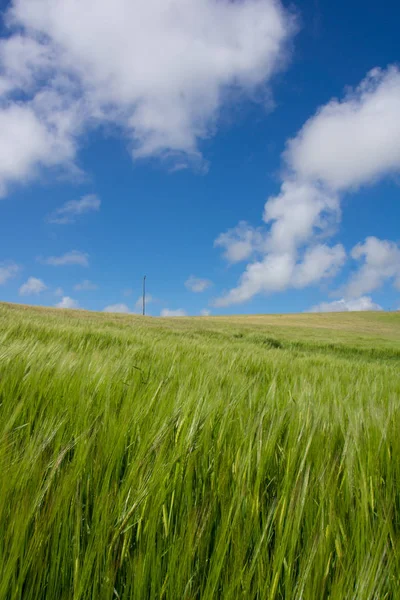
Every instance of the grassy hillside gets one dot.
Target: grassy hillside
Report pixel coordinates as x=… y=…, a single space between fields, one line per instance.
x=249 y=457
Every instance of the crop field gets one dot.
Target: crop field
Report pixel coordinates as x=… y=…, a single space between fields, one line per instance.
x=199 y=458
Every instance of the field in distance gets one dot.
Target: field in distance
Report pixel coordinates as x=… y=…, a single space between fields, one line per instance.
x=199 y=458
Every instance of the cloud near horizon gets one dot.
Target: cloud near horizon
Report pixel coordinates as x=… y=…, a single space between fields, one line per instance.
x=166 y=312
x=67 y=302
x=117 y=308
x=33 y=286
x=359 y=304
x=139 y=301
x=380 y=263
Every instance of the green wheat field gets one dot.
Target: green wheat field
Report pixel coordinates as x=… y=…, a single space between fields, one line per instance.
x=199 y=458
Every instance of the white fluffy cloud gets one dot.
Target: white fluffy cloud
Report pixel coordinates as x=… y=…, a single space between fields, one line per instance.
x=272 y=274
x=67 y=302
x=205 y=312
x=319 y=262
x=69 y=258
x=277 y=272
x=32 y=286
x=116 y=308
x=357 y=304
x=85 y=286
x=166 y=312
x=241 y=242
x=354 y=141
x=8 y=270
x=59 y=291
x=158 y=69
x=381 y=262
x=67 y=213
x=300 y=212
x=33 y=136
x=346 y=144
x=197 y=285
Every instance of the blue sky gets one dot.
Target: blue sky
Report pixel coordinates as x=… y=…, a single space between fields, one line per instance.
x=244 y=155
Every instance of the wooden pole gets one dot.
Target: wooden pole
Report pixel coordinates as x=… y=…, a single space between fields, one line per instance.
x=144 y=295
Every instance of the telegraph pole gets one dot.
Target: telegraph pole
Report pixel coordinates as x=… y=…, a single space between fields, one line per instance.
x=144 y=295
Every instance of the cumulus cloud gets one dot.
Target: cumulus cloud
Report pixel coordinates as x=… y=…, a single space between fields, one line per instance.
x=319 y=262
x=197 y=285
x=300 y=212
x=205 y=312
x=277 y=272
x=381 y=262
x=67 y=302
x=59 y=291
x=32 y=286
x=357 y=304
x=85 y=286
x=241 y=242
x=69 y=258
x=166 y=312
x=160 y=70
x=272 y=274
x=67 y=213
x=8 y=270
x=116 y=308
x=347 y=143
x=33 y=135
x=354 y=141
